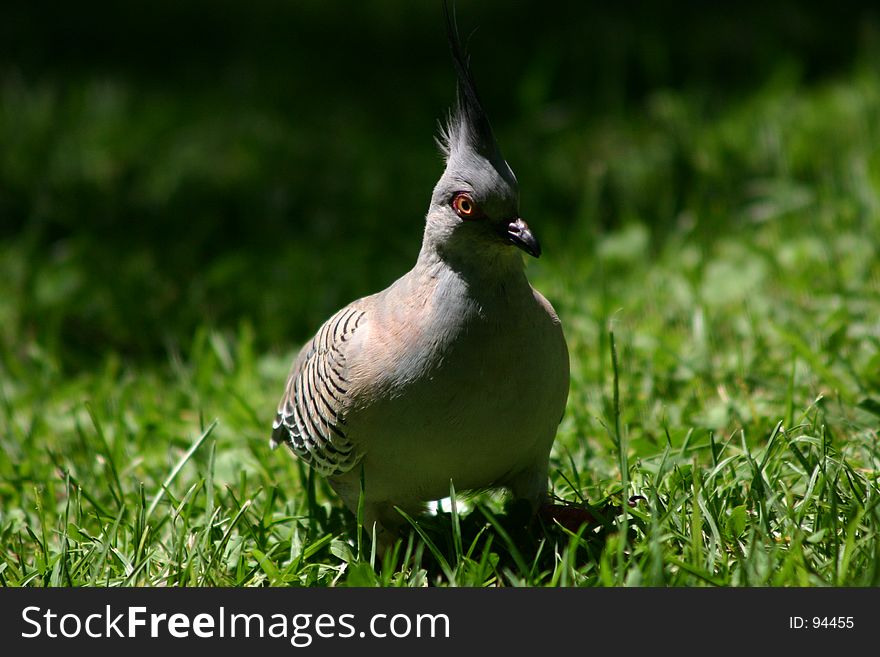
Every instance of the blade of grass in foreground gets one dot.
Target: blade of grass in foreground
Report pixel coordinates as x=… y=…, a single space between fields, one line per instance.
x=444 y=564
x=178 y=467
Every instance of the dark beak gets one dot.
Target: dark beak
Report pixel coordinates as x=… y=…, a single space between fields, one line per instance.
x=518 y=233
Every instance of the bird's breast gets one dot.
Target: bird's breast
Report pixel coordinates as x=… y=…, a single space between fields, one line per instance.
x=472 y=391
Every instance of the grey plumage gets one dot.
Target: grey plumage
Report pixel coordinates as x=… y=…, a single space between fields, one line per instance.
x=456 y=372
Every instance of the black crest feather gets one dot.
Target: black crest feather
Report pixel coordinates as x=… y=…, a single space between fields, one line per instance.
x=467 y=126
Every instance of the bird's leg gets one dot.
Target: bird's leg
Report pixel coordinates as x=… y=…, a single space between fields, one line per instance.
x=381 y=520
x=531 y=485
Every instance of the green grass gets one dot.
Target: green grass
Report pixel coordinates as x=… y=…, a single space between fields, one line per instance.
x=717 y=271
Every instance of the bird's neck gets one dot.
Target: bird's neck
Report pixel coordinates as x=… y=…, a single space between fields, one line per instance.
x=479 y=264
x=484 y=277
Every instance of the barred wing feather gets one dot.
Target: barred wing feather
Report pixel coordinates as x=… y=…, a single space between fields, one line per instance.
x=311 y=415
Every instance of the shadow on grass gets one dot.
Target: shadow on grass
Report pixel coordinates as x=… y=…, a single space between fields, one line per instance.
x=482 y=548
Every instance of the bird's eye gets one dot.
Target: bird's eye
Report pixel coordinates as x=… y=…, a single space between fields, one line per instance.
x=464 y=206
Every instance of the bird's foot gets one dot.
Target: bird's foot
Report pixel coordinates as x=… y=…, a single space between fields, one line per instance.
x=571 y=517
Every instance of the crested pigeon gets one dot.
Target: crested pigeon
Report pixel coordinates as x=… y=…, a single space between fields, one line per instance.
x=456 y=373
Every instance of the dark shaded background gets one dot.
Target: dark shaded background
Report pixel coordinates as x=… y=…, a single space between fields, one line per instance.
x=169 y=164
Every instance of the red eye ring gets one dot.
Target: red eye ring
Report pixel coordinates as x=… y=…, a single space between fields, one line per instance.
x=464 y=206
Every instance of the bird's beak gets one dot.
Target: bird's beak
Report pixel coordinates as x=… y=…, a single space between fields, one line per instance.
x=518 y=233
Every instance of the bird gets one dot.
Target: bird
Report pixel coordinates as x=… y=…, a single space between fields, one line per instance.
x=458 y=372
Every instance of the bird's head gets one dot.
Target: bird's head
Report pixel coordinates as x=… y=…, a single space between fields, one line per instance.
x=475 y=204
